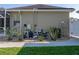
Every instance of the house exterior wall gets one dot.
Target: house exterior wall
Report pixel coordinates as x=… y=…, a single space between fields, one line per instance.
x=27 y=18
x=45 y=20
x=14 y=17
x=54 y=19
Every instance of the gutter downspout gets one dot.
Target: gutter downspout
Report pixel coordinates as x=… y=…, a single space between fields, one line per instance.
x=5 y=23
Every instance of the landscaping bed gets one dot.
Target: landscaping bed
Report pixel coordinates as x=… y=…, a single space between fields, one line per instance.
x=59 y=50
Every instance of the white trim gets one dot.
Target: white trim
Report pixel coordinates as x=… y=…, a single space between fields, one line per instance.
x=5 y=23
x=20 y=16
x=15 y=17
x=61 y=10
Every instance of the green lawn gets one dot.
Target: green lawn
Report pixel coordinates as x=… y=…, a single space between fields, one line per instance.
x=63 y=50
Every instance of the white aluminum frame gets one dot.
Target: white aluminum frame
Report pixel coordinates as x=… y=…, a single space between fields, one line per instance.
x=61 y=10
x=33 y=10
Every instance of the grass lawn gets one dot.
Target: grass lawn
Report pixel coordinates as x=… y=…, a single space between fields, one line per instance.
x=63 y=50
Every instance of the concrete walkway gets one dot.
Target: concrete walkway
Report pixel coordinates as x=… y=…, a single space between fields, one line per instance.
x=11 y=44
x=71 y=42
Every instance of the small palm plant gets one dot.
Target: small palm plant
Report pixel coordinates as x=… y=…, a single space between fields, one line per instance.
x=54 y=33
x=19 y=36
x=9 y=34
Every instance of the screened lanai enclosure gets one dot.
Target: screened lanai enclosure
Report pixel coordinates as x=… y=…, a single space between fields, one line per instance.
x=31 y=21
x=35 y=20
x=16 y=19
x=24 y=21
x=4 y=21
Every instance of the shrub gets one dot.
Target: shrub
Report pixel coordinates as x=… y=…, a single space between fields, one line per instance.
x=11 y=33
x=41 y=38
x=54 y=33
x=19 y=35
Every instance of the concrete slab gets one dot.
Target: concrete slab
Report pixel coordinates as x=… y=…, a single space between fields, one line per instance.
x=70 y=42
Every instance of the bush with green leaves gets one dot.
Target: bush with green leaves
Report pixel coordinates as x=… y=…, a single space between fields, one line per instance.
x=54 y=33
x=12 y=32
x=41 y=38
x=19 y=36
x=9 y=34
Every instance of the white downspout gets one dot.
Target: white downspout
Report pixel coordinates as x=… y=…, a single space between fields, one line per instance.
x=20 y=23
x=5 y=23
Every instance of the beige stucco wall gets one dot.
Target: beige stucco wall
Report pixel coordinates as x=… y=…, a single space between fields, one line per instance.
x=27 y=18
x=45 y=20
x=54 y=19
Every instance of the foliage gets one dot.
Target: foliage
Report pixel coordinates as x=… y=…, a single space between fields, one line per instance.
x=54 y=33
x=13 y=33
x=41 y=38
x=19 y=36
x=9 y=34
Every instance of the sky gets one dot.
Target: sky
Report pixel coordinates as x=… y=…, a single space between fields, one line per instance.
x=73 y=14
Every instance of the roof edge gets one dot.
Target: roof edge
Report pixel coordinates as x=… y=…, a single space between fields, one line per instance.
x=39 y=6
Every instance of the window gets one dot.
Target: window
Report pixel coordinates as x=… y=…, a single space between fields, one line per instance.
x=15 y=22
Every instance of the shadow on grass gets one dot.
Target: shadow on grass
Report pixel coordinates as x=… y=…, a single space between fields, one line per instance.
x=35 y=51
x=49 y=50
x=31 y=50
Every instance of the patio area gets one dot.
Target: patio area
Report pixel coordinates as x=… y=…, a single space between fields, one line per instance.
x=31 y=43
x=70 y=42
